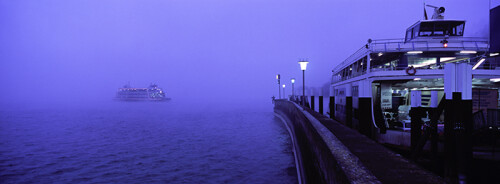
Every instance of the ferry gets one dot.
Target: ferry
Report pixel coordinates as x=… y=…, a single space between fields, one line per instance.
x=374 y=88
x=152 y=93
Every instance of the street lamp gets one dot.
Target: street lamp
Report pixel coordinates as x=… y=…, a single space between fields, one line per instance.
x=293 y=82
x=279 y=89
x=303 y=66
x=284 y=96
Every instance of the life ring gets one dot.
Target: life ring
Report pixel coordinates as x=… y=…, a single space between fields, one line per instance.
x=411 y=70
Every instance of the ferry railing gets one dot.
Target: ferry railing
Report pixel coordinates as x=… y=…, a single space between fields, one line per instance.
x=399 y=45
x=493 y=65
x=358 y=54
x=389 y=68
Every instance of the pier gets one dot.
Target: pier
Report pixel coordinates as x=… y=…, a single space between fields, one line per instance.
x=423 y=109
x=443 y=142
x=330 y=152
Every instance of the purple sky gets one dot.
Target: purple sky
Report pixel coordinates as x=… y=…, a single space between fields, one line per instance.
x=76 y=51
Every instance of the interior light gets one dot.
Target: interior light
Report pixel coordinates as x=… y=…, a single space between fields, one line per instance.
x=478 y=63
x=494 y=54
x=495 y=80
x=414 y=52
x=380 y=54
x=468 y=52
x=416 y=78
x=444 y=59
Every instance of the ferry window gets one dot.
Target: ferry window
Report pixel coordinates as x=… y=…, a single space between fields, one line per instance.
x=452 y=28
x=415 y=32
x=364 y=64
x=351 y=74
x=360 y=66
x=355 y=92
x=408 y=34
x=419 y=62
x=459 y=30
x=440 y=29
x=426 y=29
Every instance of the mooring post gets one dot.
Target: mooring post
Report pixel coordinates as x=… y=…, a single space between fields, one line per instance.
x=312 y=102
x=348 y=105
x=332 y=107
x=365 y=117
x=458 y=122
x=416 y=119
x=348 y=111
x=463 y=135
x=434 y=114
x=320 y=100
x=449 y=137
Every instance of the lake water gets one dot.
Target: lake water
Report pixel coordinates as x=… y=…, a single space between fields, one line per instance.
x=144 y=143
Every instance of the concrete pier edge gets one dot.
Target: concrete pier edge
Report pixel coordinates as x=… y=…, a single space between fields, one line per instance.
x=353 y=168
x=334 y=153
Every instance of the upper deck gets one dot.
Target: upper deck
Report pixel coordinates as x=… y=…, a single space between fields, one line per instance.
x=428 y=44
x=456 y=44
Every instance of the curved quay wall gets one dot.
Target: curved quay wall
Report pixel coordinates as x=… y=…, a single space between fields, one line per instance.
x=322 y=157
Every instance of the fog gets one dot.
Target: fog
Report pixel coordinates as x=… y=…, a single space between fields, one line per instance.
x=199 y=51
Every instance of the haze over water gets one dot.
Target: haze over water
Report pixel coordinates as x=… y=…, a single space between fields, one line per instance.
x=61 y=63
x=144 y=142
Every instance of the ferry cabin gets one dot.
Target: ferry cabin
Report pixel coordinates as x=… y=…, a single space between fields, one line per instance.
x=372 y=88
x=153 y=92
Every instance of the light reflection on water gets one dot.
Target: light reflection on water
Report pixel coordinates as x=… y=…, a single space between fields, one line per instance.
x=143 y=142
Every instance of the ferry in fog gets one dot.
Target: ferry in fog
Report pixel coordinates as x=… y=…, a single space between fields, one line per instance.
x=152 y=93
x=382 y=76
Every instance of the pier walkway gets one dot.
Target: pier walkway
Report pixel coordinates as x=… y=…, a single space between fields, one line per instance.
x=330 y=152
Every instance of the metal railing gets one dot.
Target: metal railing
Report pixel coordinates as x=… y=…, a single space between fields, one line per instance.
x=399 y=45
x=355 y=56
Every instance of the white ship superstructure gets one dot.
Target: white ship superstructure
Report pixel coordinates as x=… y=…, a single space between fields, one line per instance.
x=382 y=75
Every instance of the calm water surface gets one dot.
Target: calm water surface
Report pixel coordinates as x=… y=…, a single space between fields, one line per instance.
x=144 y=143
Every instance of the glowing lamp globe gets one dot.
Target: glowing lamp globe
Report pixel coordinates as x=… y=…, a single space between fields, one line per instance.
x=293 y=80
x=303 y=65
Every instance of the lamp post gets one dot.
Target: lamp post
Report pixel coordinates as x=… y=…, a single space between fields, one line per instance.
x=303 y=66
x=284 y=96
x=279 y=89
x=293 y=82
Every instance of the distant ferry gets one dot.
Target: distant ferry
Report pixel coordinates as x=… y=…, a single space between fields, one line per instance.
x=152 y=93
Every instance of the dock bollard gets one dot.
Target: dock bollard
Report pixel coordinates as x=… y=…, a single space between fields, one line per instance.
x=312 y=103
x=332 y=107
x=320 y=104
x=348 y=111
x=458 y=133
x=416 y=114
